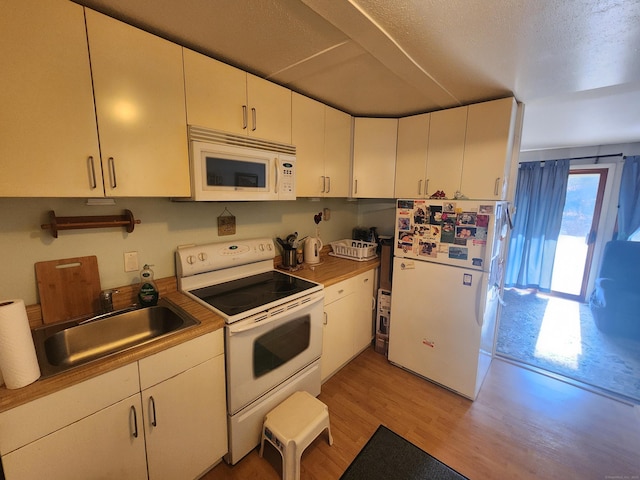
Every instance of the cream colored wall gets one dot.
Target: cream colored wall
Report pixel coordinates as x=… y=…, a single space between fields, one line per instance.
x=165 y=225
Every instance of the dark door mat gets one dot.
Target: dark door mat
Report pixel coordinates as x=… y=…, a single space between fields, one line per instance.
x=389 y=456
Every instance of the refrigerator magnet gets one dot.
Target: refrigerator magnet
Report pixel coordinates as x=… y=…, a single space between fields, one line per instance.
x=466 y=279
x=476 y=262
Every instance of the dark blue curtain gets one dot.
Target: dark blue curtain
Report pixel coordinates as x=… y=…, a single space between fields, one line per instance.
x=629 y=199
x=539 y=201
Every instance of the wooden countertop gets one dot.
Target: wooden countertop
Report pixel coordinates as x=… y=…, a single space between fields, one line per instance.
x=329 y=271
x=332 y=270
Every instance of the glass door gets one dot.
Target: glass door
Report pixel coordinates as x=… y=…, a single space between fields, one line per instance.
x=580 y=218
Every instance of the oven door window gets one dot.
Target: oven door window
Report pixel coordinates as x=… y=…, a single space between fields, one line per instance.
x=236 y=173
x=278 y=346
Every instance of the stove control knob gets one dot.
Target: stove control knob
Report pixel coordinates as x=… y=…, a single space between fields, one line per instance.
x=191 y=259
x=261 y=247
x=202 y=256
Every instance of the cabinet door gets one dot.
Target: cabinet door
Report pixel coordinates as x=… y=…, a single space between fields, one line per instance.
x=102 y=445
x=363 y=300
x=488 y=144
x=49 y=144
x=411 y=161
x=337 y=152
x=139 y=90
x=269 y=110
x=185 y=422
x=216 y=93
x=374 y=157
x=447 y=132
x=337 y=336
x=307 y=134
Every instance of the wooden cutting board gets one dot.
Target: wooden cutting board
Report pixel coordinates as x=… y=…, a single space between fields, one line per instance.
x=69 y=288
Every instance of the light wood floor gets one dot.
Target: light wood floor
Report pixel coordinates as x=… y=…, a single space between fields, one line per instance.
x=522 y=426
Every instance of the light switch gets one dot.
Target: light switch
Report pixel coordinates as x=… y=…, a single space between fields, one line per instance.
x=131 y=262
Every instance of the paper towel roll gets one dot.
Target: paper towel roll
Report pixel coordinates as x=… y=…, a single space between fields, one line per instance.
x=18 y=360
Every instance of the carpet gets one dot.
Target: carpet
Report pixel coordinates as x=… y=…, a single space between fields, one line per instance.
x=388 y=456
x=560 y=336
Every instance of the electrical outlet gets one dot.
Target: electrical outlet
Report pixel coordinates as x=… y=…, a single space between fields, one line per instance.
x=131 y=262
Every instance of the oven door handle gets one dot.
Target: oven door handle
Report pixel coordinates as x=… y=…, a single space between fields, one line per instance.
x=262 y=319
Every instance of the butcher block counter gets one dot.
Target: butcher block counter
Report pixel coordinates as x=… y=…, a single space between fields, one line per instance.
x=329 y=271
x=332 y=270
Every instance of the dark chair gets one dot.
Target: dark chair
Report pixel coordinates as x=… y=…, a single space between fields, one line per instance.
x=615 y=301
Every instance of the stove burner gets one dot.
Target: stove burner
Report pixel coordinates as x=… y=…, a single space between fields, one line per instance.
x=236 y=300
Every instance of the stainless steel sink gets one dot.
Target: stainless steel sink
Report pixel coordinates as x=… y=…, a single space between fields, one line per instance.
x=63 y=346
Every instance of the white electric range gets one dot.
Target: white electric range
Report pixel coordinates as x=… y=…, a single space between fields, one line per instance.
x=273 y=331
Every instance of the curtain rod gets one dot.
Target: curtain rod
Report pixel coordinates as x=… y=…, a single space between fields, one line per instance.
x=597 y=157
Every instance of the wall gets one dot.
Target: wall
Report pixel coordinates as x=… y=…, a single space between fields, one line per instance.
x=165 y=225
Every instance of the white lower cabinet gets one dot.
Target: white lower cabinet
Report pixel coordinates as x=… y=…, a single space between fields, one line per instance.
x=183 y=417
x=163 y=417
x=102 y=445
x=348 y=323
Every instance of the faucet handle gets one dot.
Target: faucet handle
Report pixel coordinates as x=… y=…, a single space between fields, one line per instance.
x=106 y=300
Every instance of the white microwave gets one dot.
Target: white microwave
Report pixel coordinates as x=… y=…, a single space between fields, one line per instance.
x=227 y=167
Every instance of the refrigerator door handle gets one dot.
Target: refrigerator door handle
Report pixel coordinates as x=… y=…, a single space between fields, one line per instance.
x=481 y=300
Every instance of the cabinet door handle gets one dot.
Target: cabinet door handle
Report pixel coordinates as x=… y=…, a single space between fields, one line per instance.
x=326 y=318
x=92 y=173
x=244 y=117
x=254 y=119
x=112 y=172
x=420 y=187
x=324 y=184
x=495 y=187
x=355 y=192
x=328 y=184
x=426 y=187
x=135 y=420
x=152 y=413
x=373 y=303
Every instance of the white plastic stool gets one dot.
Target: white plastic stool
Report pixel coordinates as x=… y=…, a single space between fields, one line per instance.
x=292 y=426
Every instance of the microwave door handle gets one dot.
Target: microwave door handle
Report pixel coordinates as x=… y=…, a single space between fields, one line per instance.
x=277 y=164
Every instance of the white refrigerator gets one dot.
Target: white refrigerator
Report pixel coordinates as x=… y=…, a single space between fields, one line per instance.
x=447 y=280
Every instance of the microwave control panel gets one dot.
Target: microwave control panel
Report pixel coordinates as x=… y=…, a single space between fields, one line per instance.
x=287 y=178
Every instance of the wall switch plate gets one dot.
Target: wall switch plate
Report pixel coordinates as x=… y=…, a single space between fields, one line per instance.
x=131 y=262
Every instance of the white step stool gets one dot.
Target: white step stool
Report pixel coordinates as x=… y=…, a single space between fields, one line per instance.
x=292 y=426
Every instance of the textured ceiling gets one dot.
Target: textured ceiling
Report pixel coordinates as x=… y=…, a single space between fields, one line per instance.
x=575 y=64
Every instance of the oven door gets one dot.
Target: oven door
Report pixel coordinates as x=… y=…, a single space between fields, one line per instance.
x=266 y=349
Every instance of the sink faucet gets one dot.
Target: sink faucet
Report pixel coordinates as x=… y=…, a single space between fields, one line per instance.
x=106 y=300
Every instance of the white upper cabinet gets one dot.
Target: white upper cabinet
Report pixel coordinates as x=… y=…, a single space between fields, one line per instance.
x=322 y=136
x=307 y=134
x=337 y=152
x=374 y=157
x=488 y=148
x=222 y=97
x=411 y=161
x=139 y=94
x=447 y=133
x=49 y=144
